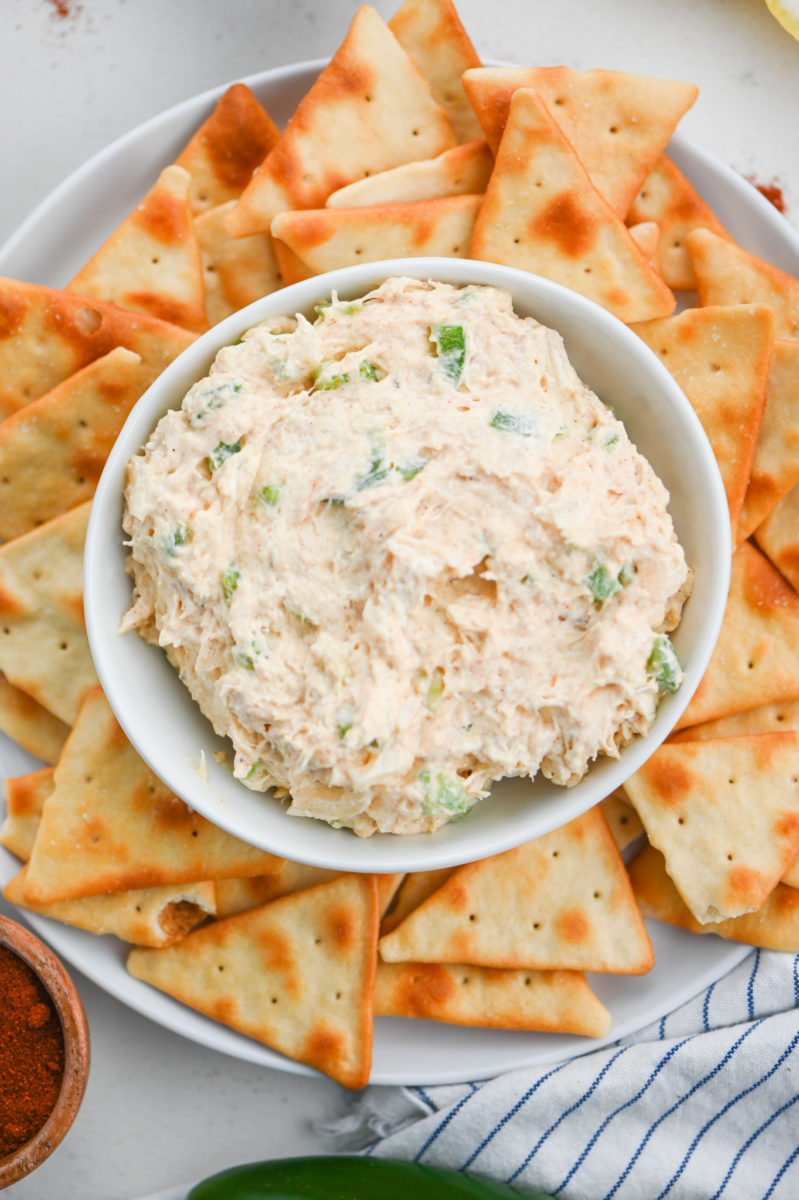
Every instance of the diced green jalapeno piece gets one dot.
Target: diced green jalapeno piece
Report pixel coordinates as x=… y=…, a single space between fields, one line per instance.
x=369 y=371
x=611 y=440
x=343 y=729
x=244 y=660
x=178 y=538
x=230 y=581
x=443 y=795
x=435 y=690
x=513 y=422
x=409 y=468
x=221 y=452
x=600 y=583
x=663 y=665
x=377 y=473
x=450 y=344
x=269 y=494
x=254 y=770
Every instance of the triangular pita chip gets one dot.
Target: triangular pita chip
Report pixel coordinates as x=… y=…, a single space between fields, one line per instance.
x=791 y=877
x=110 y=825
x=766 y=718
x=775 y=925
x=327 y=238
x=728 y=274
x=25 y=797
x=27 y=722
x=414 y=888
x=618 y=123
x=553 y=1001
x=151 y=262
x=542 y=214
x=720 y=357
x=237 y=895
x=646 y=236
x=725 y=815
x=290 y=266
x=756 y=658
x=236 y=270
x=297 y=974
x=43 y=645
x=775 y=467
x=778 y=536
x=226 y=149
x=623 y=821
x=46 y=335
x=369 y=110
x=669 y=199
x=432 y=34
x=53 y=450
x=462 y=171
x=562 y=901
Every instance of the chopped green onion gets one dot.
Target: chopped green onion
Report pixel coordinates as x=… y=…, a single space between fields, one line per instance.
x=331 y=383
x=221 y=452
x=269 y=494
x=178 y=538
x=230 y=581
x=600 y=583
x=450 y=344
x=411 y=467
x=610 y=441
x=663 y=665
x=443 y=795
x=513 y=422
x=369 y=371
x=435 y=690
x=244 y=660
x=377 y=473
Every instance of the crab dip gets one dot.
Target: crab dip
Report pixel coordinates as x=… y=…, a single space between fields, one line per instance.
x=401 y=552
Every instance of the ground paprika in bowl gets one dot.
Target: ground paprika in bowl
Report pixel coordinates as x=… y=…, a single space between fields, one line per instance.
x=44 y=1052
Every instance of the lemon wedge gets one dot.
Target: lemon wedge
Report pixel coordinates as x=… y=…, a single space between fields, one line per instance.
x=787 y=13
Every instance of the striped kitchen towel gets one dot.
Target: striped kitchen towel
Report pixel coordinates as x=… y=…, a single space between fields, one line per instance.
x=700 y=1105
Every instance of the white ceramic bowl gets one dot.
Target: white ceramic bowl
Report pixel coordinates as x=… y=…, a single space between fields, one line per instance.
x=169 y=731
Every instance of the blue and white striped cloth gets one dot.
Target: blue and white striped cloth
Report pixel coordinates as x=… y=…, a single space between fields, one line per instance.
x=703 y=1104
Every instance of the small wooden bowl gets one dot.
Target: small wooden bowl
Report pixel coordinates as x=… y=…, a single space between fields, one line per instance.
x=48 y=969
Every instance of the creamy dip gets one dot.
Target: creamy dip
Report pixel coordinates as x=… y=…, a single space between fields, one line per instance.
x=403 y=551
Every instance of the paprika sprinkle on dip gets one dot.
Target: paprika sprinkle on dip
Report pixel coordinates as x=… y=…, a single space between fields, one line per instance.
x=31 y=1053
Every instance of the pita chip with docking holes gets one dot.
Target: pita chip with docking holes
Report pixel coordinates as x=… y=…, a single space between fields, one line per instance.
x=414 y=888
x=728 y=274
x=43 y=645
x=432 y=34
x=26 y=721
x=369 y=109
x=774 y=926
x=297 y=974
x=290 y=266
x=725 y=815
x=720 y=357
x=778 y=536
x=623 y=821
x=110 y=825
x=551 y=1001
x=756 y=657
x=222 y=155
x=25 y=797
x=462 y=171
x=53 y=450
x=47 y=334
x=151 y=262
x=327 y=238
x=542 y=214
x=775 y=466
x=236 y=270
x=561 y=902
x=618 y=124
x=237 y=895
x=646 y=236
x=766 y=718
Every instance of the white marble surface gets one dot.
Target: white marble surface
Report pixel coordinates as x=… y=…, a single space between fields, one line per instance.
x=160 y=1110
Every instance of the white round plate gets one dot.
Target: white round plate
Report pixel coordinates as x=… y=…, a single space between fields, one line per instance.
x=49 y=248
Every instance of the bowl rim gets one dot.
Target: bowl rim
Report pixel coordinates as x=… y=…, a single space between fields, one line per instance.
x=168 y=390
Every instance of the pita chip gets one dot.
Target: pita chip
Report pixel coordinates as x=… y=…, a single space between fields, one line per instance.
x=720 y=357
x=229 y=145
x=236 y=270
x=775 y=467
x=326 y=238
x=646 y=236
x=53 y=450
x=290 y=266
x=237 y=895
x=728 y=274
x=296 y=974
x=43 y=645
x=370 y=109
x=778 y=538
x=151 y=263
x=46 y=335
x=561 y=902
x=725 y=815
x=774 y=926
x=671 y=201
x=542 y=214
x=623 y=821
x=553 y=1001
x=25 y=797
x=756 y=658
x=766 y=718
x=110 y=825
x=618 y=123
x=414 y=889
x=791 y=877
x=462 y=171
x=24 y=720
x=432 y=34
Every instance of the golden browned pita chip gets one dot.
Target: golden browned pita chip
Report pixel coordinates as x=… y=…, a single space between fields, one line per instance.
x=669 y=199
x=27 y=722
x=618 y=123
x=236 y=270
x=728 y=274
x=387 y=887
x=326 y=238
x=774 y=926
x=766 y=718
x=756 y=658
x=227 y=148
x=775 y=467
x=297 y=974
x=237 y=895
x=414 y=888
x=43 y=645
x=462 y=171
x=725 y=815
x=623 y=821
x=646 y=236
x=110 y=825
x=46 y=335
x=151 y=263
x=291 y=268
x=369 y=110
x=53 y=450
x=720 y=357
x=553 y=1001
x=25 y=797
x=778 y=536
x=791 y=877
x=561 y=902
x=432 y=34
x=541 y=213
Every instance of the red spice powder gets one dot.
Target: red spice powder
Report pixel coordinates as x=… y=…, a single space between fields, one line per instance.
x=772 y=191
x=31 y=1053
